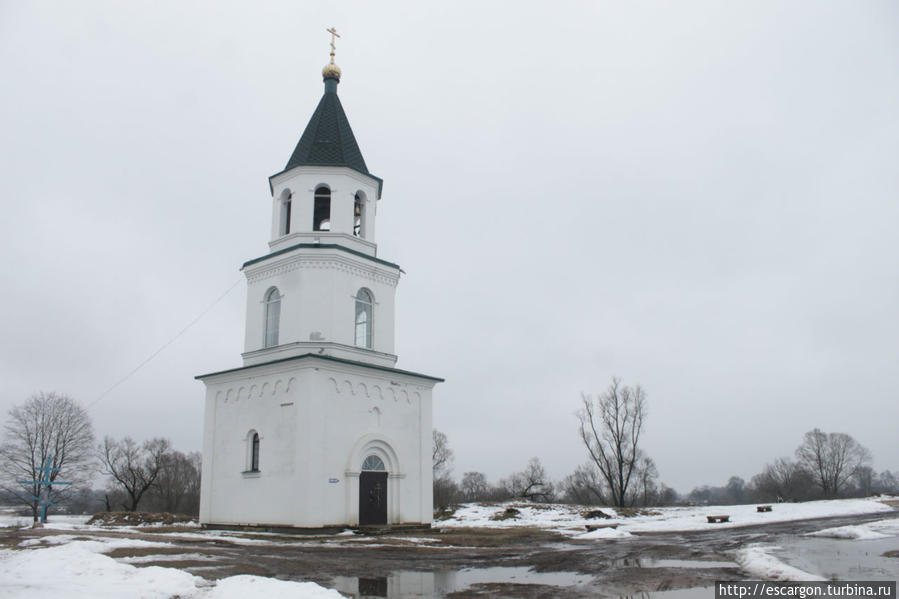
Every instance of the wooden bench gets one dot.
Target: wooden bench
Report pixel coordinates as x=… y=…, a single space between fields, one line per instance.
x=763 y=508
x=718 y=519
x=592 y=527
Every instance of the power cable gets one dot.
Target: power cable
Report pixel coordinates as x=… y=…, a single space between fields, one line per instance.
x=165 y=345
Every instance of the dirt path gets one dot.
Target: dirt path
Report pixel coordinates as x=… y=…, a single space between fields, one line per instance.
x=457 y=563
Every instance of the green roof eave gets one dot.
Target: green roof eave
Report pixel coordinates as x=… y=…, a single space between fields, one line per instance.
x=326 y=358
x=325 y=246
x=380 y=181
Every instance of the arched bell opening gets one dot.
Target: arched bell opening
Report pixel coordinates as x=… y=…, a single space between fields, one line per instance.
x=286 y=206
x=359 y=215
x=321 y=215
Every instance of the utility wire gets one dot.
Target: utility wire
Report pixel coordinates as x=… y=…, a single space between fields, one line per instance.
x=165 y=345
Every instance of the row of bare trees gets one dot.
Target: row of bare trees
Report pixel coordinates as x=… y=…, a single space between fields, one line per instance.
x=788 y=480
x=825 y=465
x=51 y=426
x=151 y=475
x=531 y=483
x=617 y=471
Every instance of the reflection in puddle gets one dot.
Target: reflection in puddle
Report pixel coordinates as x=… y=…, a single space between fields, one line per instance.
x=439 y=583
x=373 y=587
x=694 y=593
x=200 y=569
x=640 y=562
x=840 y=559
x=409 y=584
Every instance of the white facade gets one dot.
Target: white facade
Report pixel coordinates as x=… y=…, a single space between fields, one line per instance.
x=286 y=434
x=317 y=420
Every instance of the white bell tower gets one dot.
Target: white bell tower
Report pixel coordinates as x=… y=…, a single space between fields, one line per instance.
x=318 y=421
x=323 y=261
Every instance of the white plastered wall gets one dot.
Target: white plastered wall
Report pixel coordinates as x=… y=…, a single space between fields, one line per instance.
x=344 y=183
x=316 y=428
x=318 y=288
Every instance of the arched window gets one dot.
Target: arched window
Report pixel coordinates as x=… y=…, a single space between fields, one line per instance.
x=272 y=317
x=373 y=463
x=254 y=453
x=286 y=198
x=359 y=215
x=363 y=318
x=321 y=216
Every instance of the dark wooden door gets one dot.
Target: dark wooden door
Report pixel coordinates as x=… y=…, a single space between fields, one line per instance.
x=372 y=498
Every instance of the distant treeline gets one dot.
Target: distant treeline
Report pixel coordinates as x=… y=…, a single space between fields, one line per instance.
x=824 y=466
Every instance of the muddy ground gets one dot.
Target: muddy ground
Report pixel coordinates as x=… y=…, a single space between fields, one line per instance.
x=428 y=563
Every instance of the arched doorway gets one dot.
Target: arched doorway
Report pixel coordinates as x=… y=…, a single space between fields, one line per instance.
x=373 y=492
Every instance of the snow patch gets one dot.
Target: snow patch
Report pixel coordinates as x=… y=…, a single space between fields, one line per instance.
x=757 y=561
x=246 y=587
x=59 y=522
x=881 y=529
x=605 y=533
x=78 y=570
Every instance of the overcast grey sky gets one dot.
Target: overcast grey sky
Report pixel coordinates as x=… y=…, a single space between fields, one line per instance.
x=699 y=197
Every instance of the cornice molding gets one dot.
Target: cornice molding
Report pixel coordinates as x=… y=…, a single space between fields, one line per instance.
x=285 y=175
x=326 y=237
x=336 y=261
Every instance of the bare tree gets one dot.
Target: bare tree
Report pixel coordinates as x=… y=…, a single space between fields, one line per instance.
x=47 y=425
x=610 y=428
x=474 y=486
x=584 y=486
x=667 y=495
x=887 y=482
x=735 y=489
x=445 y=488
x=864 y=480
x=531 y=483
x=832 y=459
x=134 y=468
x=646 y=477
x=177 y=487
x=441 y=454
x=783 y=480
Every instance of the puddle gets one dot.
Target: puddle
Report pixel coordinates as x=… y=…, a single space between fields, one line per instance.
x=199 y=570
x=407 y=584
x=686 y=563
x=640 y=562
x=168 y=557
x=694 y=593
x=439 y=583
x=840 y=558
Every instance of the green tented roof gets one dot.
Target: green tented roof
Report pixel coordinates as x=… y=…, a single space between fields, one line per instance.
x=328 y=139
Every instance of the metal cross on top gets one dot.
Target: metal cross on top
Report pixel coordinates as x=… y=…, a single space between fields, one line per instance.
x=334 y=35
x=44 y=482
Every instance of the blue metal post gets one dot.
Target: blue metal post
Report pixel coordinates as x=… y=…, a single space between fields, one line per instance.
x=45 y=482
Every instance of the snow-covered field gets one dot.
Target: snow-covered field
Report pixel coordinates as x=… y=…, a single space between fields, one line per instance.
x=7 y=520
x=64 y=564
x=570 y=519
x=757 y=560
x=78 y=569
